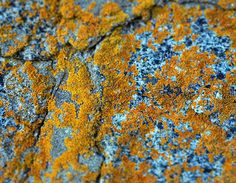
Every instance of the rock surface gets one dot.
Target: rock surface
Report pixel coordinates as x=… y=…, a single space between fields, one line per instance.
x=118 y=91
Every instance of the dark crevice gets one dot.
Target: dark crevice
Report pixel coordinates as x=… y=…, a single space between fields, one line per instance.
x=122 y=25
x=103 y=159
x=25 y=175
x=52 y=94
x=98 y=178
x=38 y=129
x=92 y=48
x=56 y=87
x=97 y=146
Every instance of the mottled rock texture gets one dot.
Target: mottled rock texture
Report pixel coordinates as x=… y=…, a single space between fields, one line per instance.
x=117 y=91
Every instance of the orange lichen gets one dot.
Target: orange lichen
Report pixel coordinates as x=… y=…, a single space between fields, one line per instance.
x=16 y=47
x=111 y=14
x=89 y=113
x=127 y=172
x=225 y=22
x=83 y=130
x=67 y=8
x=89 y=26
x=143 y=7
x=116 y=87
x=227 y=4
x=52 y=44
x=40 y=86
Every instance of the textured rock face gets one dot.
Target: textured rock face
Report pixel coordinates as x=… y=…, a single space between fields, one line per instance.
x=118 y=91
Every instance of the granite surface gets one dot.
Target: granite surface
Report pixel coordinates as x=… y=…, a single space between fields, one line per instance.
x=117 y=91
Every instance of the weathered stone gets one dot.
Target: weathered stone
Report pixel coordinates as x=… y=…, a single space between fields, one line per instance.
x=118 y=91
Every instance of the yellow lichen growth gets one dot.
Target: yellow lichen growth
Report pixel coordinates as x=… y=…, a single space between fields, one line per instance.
x=143 y=7
x=6 y=33
x=86 y=26
x=18 y=45
x=52 y=44
x=111 y=15
x=227 y=4
x=225 y=21
x=181 y=16
x=40 y=86
x=128 y=173
x=117 y=90
x=82 y=121
x=88 y=113
x=24 y=140
x=67 y=8
x=110 y=9
x=91 y=6
x=44 y=156
x=62 y=61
